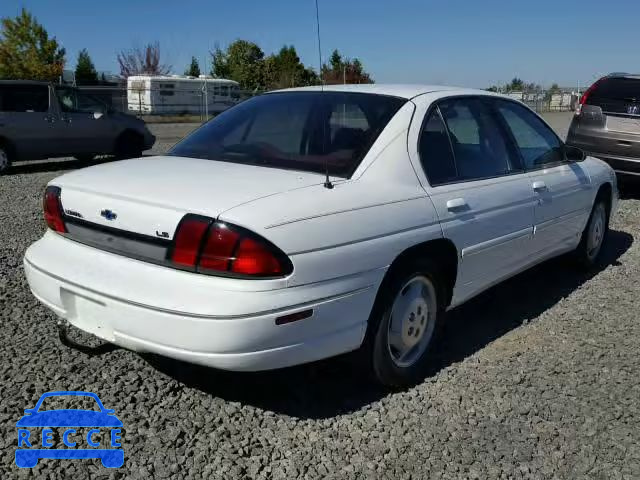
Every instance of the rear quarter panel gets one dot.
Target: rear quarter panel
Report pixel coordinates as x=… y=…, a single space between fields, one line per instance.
x=359 y=226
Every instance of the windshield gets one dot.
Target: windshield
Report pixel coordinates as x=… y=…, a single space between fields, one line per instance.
x=309 y=131
x=63 y=402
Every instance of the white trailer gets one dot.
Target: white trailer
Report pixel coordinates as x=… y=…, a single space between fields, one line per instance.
x=179 y=94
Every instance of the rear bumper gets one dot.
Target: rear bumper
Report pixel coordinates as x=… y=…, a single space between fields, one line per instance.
x=218 y=322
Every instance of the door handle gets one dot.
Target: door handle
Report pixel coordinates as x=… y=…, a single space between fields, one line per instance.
x=456 y=204
x=539 y=186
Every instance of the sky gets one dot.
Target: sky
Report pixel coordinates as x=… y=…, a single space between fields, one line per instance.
x=467 y=43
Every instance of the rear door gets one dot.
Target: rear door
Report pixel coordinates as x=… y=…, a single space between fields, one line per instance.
x=562 y=189
x=481 y=194
x=27 y=120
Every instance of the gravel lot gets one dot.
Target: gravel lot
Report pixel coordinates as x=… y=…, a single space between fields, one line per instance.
x=537 y=378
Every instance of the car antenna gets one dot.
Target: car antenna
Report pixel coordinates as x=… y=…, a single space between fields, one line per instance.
x=327 y=181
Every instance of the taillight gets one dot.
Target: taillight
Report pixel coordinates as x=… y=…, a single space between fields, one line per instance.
x=52 y=207
x=585 y=96
x=206 y=246
x=186 y=244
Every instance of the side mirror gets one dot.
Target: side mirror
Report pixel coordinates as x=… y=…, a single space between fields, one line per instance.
x=574 y=154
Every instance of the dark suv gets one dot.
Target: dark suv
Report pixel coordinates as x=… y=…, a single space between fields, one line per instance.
x=607 y=123
x=40 y=120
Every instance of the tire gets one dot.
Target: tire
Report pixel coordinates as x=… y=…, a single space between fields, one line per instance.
x=595 y=234
x=87 y=157
x=129 y=145
x=409 y=303
x=5 y=160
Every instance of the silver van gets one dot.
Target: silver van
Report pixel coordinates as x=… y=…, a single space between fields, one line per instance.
x=607 y=123
x=39 y=120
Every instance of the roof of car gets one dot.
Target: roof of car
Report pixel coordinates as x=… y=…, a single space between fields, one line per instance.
x=22 y=82
x=396 y=90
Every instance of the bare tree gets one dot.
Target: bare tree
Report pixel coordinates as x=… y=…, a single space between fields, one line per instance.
x=142 y=61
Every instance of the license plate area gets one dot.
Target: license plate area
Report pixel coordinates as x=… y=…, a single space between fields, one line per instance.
x=87 y=314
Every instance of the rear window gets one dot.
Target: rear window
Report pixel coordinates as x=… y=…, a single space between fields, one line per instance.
x=624 y=89
x=307 y=131
x=24 y=98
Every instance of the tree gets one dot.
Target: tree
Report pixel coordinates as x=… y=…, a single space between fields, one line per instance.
x=194 y=68
x=285 y=70
x=341 y=70
x=516 y=85
x=243 y=61
x=85 y=71
x=142 y=61
x=27 y=52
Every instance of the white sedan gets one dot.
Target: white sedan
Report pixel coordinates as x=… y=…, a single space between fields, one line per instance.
x=311 y=222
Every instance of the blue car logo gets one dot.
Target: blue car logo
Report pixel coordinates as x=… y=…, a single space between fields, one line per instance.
x=109 y=214
x=72 y=424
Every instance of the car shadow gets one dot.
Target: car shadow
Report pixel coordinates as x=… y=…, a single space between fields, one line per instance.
x=333 y=387
x=629 y=188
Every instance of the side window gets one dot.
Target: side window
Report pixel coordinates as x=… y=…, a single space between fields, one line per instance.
x=73 y=101
x=347 y=126
x=435 y=151
x=25 y=98
x=479 y=144
x=537 y=143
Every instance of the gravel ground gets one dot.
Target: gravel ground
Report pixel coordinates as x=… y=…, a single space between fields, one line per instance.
x=537 y=378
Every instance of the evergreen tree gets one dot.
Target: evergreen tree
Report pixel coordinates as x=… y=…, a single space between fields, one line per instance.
x=85 y=70
x=194 y=68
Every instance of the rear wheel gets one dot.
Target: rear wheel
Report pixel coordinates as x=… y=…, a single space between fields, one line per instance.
x=594 y=234
x=405 y=323
x=129 y=145
x=5 y=162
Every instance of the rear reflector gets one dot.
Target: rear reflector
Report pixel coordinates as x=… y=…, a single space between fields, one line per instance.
x=205 y=246
x=294 y=317
x=53 y=209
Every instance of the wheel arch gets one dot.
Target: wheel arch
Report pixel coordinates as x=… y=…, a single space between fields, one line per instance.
x=9 y=146
x=441 y=250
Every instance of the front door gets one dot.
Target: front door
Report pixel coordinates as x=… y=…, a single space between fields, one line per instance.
x=562 y=189
x=88 y=129
x=482 y=196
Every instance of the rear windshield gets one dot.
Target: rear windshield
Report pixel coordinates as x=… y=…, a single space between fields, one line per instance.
x=624 y=89
x=308 y=131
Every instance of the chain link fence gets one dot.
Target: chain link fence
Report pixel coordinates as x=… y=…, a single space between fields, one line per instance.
x=198 y=104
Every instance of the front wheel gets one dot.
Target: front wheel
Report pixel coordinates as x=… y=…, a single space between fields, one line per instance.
x=594 y=234
x=406 y=321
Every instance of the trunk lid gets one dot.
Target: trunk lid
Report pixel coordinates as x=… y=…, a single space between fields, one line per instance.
x=149 y=196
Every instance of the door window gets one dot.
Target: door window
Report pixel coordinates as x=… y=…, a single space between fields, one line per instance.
x=73 y=101
x=538 y=144
x=24 y=98
x=435 y=151
x=479 y=145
